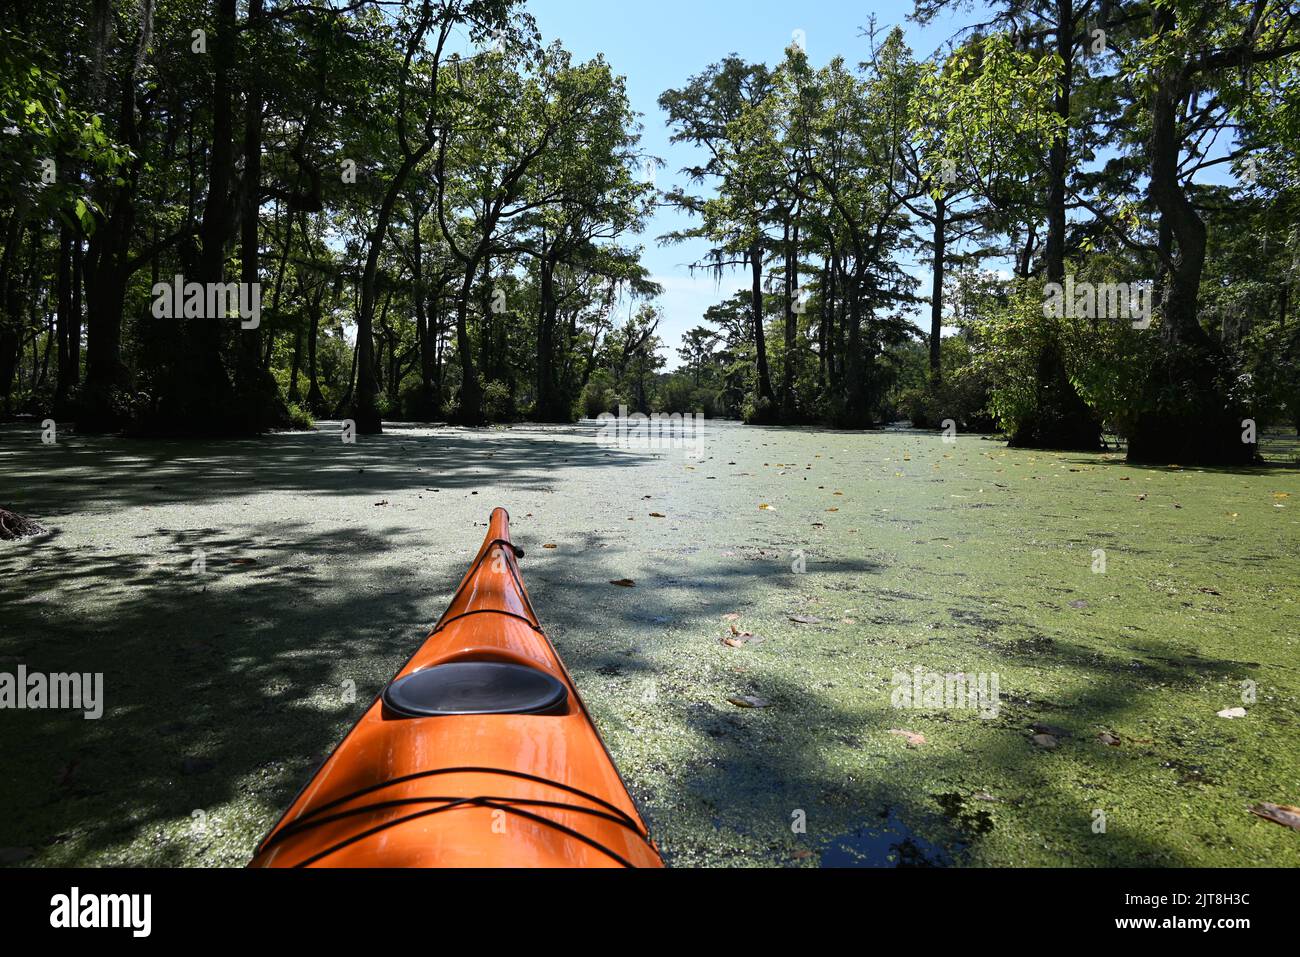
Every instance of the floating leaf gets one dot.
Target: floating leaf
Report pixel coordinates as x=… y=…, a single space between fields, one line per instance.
x=550 y=545
x=623 y=583
x=766 y=508
x=1283 y=814
x=657 y=515
x=914 y=738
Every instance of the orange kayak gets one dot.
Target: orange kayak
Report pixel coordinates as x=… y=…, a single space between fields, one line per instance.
x=479 y=753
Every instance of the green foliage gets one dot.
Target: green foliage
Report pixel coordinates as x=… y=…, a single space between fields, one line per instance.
x=498 y=402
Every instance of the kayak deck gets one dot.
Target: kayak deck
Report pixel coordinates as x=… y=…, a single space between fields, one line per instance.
x=491 y=762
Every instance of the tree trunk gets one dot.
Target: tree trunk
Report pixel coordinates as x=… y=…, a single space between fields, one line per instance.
x=64 y=361
x=470 y=411
x=791 y=249
x=1187 y=415
x=548 y=402
x=315 y=400
x=766 y=400
x=1061 y=419
x=856 y=415
x=936 y=290
x=257 y=394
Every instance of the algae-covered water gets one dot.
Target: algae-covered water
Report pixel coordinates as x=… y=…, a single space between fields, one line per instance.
x=247 y=600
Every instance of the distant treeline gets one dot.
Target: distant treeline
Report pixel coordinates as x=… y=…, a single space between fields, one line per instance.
x=430 y=213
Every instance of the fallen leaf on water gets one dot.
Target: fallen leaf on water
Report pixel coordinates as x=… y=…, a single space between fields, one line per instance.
x=832 y=510
x=1283 y=814
x=1233 y=713
x=384 y=502
x=748 y=701
x=805 y=619
x=623 y=583
x=550 y=545
x=243 y=561
x=766 y=508
x=1045 y=741
x=1050 y=729
x=657 y=515
x=1280 y=496
x=914 y=738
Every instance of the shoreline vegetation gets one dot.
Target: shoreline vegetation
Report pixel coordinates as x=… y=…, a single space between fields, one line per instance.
x=223 y=217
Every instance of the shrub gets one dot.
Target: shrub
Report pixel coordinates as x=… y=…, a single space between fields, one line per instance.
x=498 y=403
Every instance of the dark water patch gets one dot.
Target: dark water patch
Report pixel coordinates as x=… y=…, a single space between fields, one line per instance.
x=1026 y=647
x=1188 y=774
x=890 y=595
x=966 y=617
x=888 y=842
x=966 y=814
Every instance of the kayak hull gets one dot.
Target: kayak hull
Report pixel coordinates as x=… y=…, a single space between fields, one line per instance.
x=470 y=790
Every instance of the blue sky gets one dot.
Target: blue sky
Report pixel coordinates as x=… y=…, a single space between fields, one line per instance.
x=658 y=46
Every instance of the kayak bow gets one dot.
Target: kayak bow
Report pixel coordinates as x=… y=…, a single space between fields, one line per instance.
x=479 y=753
